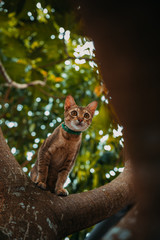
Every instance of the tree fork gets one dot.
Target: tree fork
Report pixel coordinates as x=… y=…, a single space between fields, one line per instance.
x=27 y=211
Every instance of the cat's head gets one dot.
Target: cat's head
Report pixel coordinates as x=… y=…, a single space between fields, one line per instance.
x=78 y=118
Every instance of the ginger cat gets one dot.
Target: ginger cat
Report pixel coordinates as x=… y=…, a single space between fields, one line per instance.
x=57 y=154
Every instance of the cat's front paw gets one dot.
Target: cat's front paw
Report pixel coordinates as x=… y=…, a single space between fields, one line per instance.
x=41 y=185
x=62 y=192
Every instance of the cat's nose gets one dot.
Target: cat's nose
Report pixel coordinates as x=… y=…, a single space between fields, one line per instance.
x=80 y=120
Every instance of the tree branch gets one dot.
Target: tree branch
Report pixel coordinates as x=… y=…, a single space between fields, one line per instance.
x=11 y=83
x=26 y=85
x=9 y=166
x=96 y=205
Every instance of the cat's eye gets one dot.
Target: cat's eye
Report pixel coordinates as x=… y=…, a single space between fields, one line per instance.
x=86 y=115
x=74 y=113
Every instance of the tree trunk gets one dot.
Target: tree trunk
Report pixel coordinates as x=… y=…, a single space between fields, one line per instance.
x=126 y=38
x=27 y=212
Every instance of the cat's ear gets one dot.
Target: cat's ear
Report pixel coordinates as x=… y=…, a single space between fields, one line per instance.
x=92 y=107
x=69 y=102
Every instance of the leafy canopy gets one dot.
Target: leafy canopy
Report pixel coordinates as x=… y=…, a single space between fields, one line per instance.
x=42 y=40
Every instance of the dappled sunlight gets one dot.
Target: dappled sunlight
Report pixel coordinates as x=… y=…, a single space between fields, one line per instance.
x=84 y=49
x=118 y=132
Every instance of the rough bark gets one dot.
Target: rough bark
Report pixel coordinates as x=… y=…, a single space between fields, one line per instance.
x=27 y=212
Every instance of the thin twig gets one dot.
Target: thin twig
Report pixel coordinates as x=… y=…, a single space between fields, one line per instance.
x=11 y=83
x=5 y=74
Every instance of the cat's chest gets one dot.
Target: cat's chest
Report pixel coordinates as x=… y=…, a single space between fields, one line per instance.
x=62 y=148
